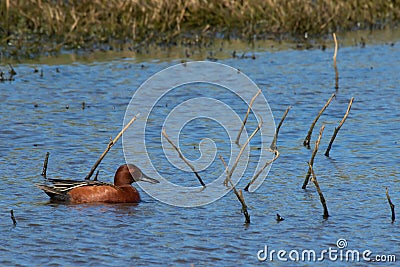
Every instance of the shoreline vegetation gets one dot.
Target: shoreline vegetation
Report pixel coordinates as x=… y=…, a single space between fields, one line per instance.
x=30 y=29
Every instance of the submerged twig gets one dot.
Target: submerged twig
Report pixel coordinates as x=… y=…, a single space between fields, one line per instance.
x=306 y=141
x=338 y=128
x=238 y=194
x=182 y=157
x=276 y=152
x=321 y=196
x=246 y=117
x=109 y=146
x=13 y=218
x=334 y=62
x=273 y=144
x=391 y=205
x=46 y=160
x=313 y=156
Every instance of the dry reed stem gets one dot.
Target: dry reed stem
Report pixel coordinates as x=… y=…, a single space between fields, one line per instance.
x=246 y=117
x=242 y=150
x=96 y=176
x=313 y=156
x=273 y=144
x=307 y=140
x=109 y=146
x=391 y=205
x=339 y=126
x=182 y=157
x=238 y=194
x=226 y=170
x=335 y=51
x=276 y=152
x=334 y=62
x=6 y=17
x=321 y=196
x=46 y=161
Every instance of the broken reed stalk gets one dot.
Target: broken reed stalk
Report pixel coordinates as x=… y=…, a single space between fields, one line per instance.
x=13 y=217
x=273 y=149
x=109 y=146
x=182 y=157
x=338 y=128
x=312 y=157
x=321 y=196
x=261 y=170
x=334 y=62
x=96 y=176
x=226 y=170
x=238 y=194
x=46 y=161
x=391 y=205
x=308 y=137
x=273 y=144
x=228 y=177
x=247 y=116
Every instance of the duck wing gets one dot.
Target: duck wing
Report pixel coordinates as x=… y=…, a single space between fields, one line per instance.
x=58 y=189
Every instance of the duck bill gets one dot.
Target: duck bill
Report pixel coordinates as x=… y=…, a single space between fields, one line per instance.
x=145 y=178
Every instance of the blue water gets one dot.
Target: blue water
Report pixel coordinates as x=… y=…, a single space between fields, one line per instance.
x=44 y=113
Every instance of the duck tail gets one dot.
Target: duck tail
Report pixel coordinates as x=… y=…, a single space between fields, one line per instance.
x=53 y=193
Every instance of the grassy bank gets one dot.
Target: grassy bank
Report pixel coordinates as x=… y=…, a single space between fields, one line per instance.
x=35 y=27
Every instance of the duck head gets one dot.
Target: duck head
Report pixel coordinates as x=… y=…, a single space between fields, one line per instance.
x=126 y=174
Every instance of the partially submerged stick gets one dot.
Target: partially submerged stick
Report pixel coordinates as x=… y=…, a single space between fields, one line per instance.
x=261 y=170
x=46 y=161
x=95 y=177
x=321 y=196
x=238 y=194
x=308 y=137
x=338 y=128
x=242 y=149
x=273 y=148
x=334 y=62
x=182 y=157
x=226 y=170
x=109 y=146
x=273 y=144
x=312 y=157
x=391 y=205
x=13 y=218
x=246 y=117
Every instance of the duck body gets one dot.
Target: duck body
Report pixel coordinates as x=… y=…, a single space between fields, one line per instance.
x=87 y=191
x=104 y=193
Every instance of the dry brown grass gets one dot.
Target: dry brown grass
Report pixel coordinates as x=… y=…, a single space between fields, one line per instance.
x=50 y=25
